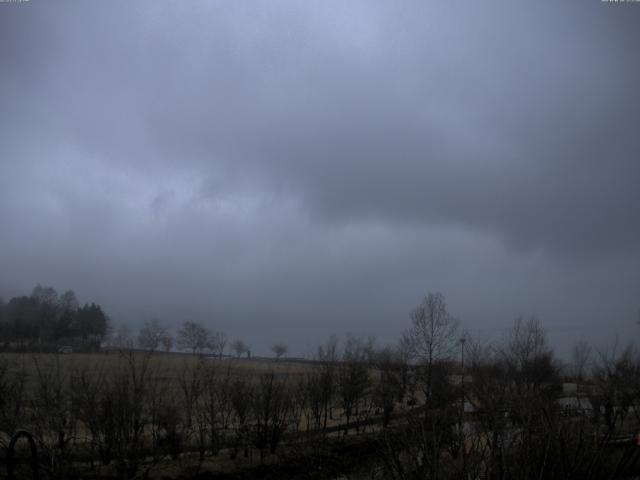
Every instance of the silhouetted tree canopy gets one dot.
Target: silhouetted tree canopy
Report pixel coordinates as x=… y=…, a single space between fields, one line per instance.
x=151 y=335
x=193 y=336
x=46 y=320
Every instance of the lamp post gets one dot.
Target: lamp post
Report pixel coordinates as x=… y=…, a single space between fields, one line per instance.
x=462 y=341
x=462 y=396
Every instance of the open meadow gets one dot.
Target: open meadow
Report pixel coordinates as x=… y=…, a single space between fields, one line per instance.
x=126 y=412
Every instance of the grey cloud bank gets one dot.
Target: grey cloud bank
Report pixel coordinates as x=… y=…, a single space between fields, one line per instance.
x=288 y=170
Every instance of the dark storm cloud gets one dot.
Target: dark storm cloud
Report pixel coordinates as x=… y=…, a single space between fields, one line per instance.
x=288 y=162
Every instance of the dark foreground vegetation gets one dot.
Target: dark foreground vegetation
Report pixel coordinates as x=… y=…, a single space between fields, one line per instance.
x=439 y=405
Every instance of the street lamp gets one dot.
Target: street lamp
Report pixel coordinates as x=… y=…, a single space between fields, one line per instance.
x=462 y=341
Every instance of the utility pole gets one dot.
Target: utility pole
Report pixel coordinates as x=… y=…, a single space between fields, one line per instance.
x=462 y=399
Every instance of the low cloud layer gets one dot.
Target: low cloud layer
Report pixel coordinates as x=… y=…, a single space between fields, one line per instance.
x=289 y=170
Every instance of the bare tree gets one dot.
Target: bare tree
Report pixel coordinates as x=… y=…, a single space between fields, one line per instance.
x=581 y=356
x=240 y=397
x=388 y=385
x=217 y=343
x=526 y=340
x=525 y=431
x=432 y=335
x=433 y=331
x=239 y=347
x=131 y=391
x=51 y=409
x=328 y=358
x=122 y=338
x=193 y=336
x=279 y=349
x=192 y=381
x=403 y=353
x=616 y=375
x=314 y=401
x=151 y=335
x=217 y=408
x=94 y=401
x=271 y=406
x=353 y=380
x=208 y=415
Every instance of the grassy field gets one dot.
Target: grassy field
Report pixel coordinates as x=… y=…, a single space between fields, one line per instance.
x=165 y=366
x=173 y=361
x=224 y=411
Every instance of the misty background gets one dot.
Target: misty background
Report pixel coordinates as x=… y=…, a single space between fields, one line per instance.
x=282 y=171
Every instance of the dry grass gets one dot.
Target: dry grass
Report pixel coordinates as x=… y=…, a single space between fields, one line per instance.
x=162 y=365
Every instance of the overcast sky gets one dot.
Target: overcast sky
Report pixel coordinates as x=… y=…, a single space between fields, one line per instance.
x=287 y=170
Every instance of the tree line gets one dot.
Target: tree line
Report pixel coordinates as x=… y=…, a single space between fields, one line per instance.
x=191 y=336
x=439 y=404
x=45 y=320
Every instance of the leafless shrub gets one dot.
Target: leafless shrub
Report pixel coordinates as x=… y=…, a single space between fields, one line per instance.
x=128 y=391
x=94 y=404
x=354 y=381
x=581 y=356
x=388 y=386
x=271 y=406
x=327 y=356
x=240 y=395
x=52 y=415
x=12 y=398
